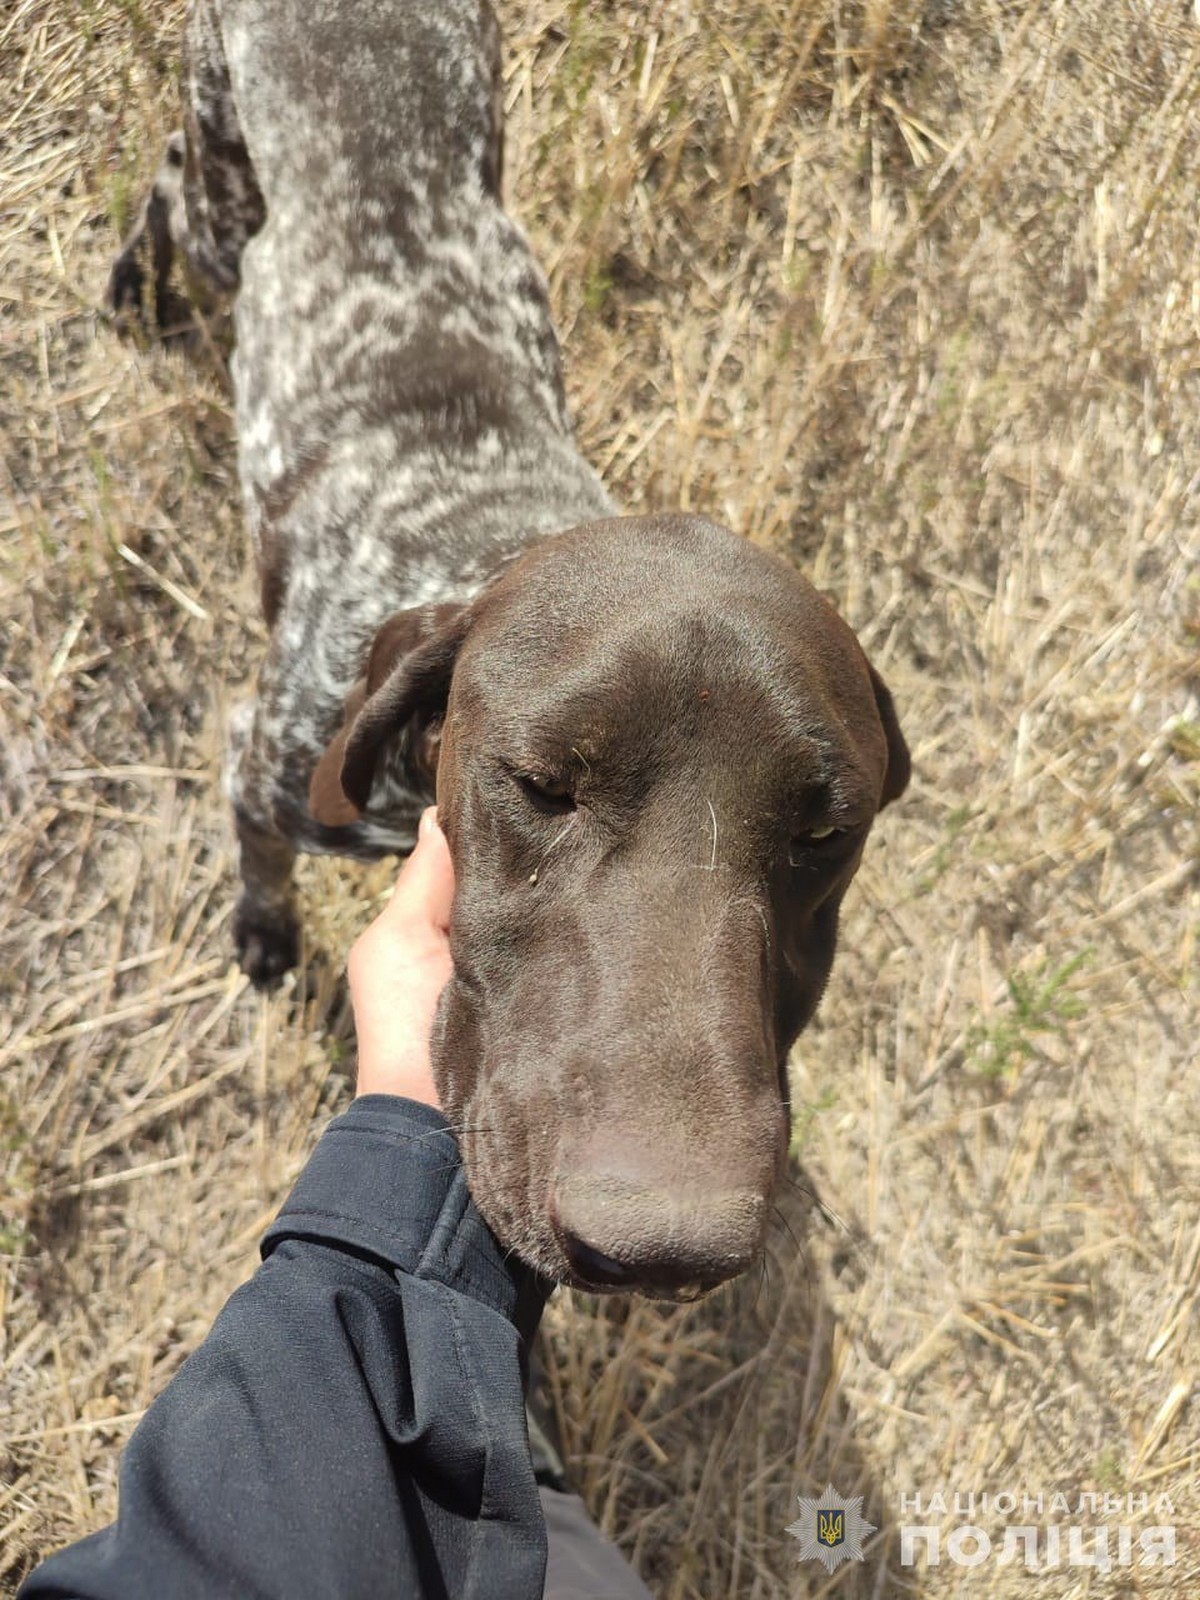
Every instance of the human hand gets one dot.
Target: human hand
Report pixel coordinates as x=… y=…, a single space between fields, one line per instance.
x=398 y=968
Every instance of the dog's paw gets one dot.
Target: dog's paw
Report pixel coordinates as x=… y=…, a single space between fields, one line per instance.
x=126 y=283
x=267 y=943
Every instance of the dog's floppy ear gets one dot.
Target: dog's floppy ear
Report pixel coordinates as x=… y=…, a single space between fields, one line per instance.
x=404 y=689
x=899 y=767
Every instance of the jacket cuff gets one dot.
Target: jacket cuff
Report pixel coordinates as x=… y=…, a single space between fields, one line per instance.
x=386 y=1179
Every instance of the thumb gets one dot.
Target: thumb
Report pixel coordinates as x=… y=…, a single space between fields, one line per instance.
x=425 y=886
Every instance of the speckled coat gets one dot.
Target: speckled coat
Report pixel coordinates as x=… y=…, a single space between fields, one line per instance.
x=402 y=428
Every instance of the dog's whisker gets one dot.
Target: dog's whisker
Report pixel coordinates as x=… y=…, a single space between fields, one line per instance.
x=790 y=1231
x=764 y=1279
x=554 y=843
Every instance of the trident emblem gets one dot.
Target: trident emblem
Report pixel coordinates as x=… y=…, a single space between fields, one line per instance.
x=831 y=1528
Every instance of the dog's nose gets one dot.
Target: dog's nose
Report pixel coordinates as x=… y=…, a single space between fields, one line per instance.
x=592 y=1269
x=675 y=1243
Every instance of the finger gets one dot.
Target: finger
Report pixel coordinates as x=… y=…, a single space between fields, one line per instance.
x=425 y=887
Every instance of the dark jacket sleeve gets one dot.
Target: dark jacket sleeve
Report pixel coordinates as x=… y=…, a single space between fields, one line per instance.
x=354 y=1423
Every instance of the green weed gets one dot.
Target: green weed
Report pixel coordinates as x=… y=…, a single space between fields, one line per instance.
x=1041 y=1003
x=1109 y=1473
x=944 y=852
x=804 y=1119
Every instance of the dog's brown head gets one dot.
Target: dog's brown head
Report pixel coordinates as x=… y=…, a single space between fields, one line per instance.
x=660 y=756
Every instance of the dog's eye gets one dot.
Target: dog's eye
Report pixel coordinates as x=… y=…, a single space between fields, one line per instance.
x=548 y=795
x=811 y=839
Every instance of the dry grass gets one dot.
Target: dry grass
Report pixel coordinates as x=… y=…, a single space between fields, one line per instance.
x=911 y=292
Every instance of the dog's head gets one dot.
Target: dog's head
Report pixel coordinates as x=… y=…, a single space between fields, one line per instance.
x=658 y=755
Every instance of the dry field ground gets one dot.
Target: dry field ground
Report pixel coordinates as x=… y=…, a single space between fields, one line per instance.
x=910 y=291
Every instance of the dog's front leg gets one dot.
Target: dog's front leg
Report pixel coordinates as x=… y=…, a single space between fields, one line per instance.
x=266 y=929
x=161 y=218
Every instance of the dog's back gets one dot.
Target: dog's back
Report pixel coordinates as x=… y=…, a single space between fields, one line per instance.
x=400 y=407
x=387 y=300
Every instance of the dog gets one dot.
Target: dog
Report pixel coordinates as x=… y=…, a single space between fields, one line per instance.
x=655 y=750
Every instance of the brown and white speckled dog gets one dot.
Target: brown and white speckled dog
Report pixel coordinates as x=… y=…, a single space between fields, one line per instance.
x=656 y=751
